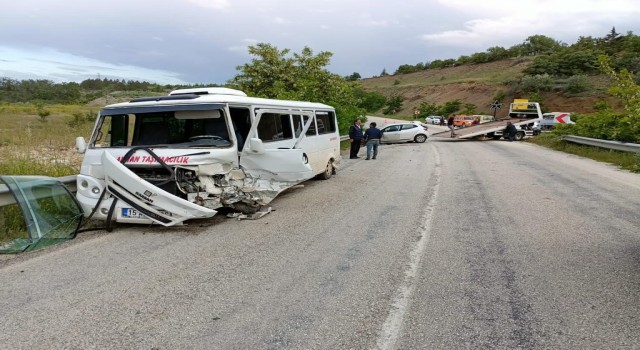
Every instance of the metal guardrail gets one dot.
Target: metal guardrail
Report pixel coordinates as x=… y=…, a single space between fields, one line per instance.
x=6 y=198
x=615 y=145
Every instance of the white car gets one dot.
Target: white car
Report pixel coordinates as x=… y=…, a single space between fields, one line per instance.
x=433 y=119
x=404 y=132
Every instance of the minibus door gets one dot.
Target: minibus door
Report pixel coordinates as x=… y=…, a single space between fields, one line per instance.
x=287 y=162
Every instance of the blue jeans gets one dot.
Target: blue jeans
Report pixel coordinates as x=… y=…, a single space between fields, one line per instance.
x=372 y=144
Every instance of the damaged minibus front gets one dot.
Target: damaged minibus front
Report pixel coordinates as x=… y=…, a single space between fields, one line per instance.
x=173 y=158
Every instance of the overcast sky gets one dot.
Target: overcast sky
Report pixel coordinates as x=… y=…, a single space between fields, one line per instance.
x=203 y=41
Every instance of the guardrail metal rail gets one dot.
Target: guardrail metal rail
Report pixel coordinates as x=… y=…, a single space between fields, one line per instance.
x=615 y=145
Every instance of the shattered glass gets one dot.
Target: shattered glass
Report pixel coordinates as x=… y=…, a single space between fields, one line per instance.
x=44 y=213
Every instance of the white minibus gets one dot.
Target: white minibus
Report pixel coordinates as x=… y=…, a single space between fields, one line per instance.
x=172 y=158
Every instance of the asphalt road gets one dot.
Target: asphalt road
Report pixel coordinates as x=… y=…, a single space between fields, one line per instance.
x=441 y=245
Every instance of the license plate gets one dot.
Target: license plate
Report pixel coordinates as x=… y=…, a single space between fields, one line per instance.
x=135 y=214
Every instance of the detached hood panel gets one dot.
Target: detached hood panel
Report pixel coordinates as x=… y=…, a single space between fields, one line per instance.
x=158 y=205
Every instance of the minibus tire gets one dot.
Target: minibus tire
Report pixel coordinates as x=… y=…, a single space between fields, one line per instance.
x=328 y=171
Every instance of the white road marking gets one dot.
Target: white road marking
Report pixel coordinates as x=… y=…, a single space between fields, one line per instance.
x=392 y=327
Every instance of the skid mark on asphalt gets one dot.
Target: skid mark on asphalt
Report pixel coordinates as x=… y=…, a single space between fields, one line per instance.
x=392 y=326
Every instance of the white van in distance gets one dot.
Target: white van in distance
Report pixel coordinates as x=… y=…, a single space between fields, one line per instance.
x=172 y=158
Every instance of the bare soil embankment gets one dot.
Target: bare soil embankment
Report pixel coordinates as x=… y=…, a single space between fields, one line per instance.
x=478 y=84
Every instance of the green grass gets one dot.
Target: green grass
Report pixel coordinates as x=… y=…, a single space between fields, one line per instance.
x=16 y=164
x=625 y=160
x=31 y=145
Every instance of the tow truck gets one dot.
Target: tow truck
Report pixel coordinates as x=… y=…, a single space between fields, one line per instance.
x=522 y=113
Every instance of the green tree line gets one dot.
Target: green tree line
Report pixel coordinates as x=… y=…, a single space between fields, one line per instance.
x=552 y=57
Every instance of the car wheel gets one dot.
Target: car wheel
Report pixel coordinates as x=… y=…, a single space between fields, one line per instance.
x=328 y=171
x=519 y=136
x=420 y=138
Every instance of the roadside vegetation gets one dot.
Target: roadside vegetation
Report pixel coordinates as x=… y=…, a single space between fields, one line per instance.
x=625 y=160
x=38 y=139
x=605 y=124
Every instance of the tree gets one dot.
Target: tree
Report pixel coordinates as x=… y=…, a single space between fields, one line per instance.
x=427 y=109
x=354 y=76
x=449 y=62
x=537 y=44
x=517 y=50
x=394 y=105
x=274 y=73
x=624 y=88
x=437 y=64
x=497 y=53
x=479 y=57
x=463 y=60
x=450 y=107
x=384 y=72
x=369 y=101
x=611 y=42
x=469 y=108
x=404 y=69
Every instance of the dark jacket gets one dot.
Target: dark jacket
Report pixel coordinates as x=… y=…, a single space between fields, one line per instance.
x=511 y=129
x=355 y=132
x=372 y=134
x=450 y=121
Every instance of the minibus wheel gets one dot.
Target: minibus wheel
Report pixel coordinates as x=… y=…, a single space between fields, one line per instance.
x=328 y=171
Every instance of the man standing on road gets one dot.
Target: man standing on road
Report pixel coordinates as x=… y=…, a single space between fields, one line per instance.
x=510 y=131
x=372 y=138
x=355 y=137
x=450 y=124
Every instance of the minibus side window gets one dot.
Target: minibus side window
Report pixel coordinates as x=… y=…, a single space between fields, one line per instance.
x=298 y=124
x=275 y=127
x=326 y=122
x=312 y=128
x=114 y=131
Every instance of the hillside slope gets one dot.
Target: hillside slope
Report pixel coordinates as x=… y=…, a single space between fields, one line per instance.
x=478 y=84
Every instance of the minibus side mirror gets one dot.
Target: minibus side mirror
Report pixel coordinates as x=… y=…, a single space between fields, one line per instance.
x=81 y=144
x=256 y=145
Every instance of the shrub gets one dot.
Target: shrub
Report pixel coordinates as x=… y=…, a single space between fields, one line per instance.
x=499 y=96
x=43 y=114
x=604 y=125
x=577 y=84
x=76 y=120
x=537 y=83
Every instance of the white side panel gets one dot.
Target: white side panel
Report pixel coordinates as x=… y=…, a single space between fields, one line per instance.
x=279 y=164
x=147 y=198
